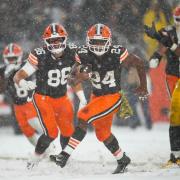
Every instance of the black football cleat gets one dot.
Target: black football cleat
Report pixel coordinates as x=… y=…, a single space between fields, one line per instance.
x=122 y=164
x=61 y=159
x=172 y=161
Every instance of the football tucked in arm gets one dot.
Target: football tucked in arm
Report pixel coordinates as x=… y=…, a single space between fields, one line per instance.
x=79 y=73
x=85 y=71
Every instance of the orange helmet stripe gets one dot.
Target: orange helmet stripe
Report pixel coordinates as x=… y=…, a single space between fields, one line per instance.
x=99 y=30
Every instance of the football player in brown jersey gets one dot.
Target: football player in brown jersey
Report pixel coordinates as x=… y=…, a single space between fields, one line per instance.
x=25 y=112
x=102 y=62
x=169 y=39
x=52 y=65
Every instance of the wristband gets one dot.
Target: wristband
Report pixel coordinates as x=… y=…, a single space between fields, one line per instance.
x=81 y=96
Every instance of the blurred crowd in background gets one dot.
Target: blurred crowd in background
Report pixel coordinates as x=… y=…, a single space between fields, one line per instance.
x=23 y=21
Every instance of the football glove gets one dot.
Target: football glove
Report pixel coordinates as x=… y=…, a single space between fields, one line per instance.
x=28 y=85
x=154 y=60
x=151 y=32
x=125 y=110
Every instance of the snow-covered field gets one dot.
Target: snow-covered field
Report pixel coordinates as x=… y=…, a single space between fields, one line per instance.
x=147 y=149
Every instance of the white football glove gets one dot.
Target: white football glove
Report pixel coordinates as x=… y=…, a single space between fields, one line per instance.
x=153 y=63
x=28 y=85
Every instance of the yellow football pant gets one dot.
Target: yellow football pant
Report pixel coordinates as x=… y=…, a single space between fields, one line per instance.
x=175 y=106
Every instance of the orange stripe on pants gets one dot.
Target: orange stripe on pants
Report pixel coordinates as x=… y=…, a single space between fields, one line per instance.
x=55 y=112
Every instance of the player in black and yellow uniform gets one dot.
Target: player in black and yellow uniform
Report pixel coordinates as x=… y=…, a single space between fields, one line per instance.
x=25 y=112
x=169 y=38
x=2 y=69
x=2 y=82
x=101 y=63
x=52 y=65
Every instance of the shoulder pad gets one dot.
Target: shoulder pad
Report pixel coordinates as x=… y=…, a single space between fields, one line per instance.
x=169 y=28
x=34 y=55
x=117 y=49
x=38 y=51
x=117 y=46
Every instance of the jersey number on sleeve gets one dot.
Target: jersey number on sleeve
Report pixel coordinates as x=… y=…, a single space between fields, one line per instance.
x=116 y=49
x=107 y=80
x=56 y=77
x=39 y=51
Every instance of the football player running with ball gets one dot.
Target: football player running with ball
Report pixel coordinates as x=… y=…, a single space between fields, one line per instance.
x=52 y=65
x=101 y=62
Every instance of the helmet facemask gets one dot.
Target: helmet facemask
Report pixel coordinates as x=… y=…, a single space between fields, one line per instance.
x=98 y=45
x=56 y=45
x=177 y=20
x=13 y=59
x=12 y=54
